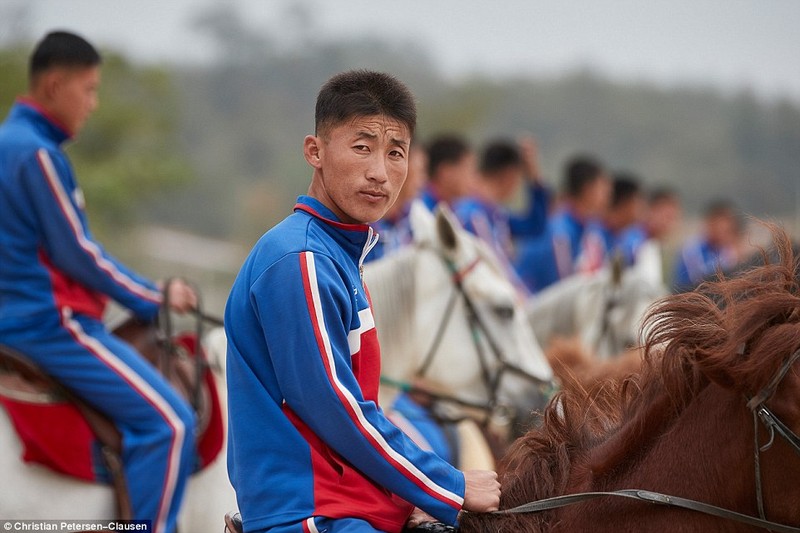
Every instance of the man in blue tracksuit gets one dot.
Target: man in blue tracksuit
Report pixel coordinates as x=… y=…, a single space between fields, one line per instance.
x=55 y=280
x=716 y=247
x=503 y=167
x=310 y=450
x=568 y=246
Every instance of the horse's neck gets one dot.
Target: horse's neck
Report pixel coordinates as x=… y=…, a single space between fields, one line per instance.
x=704 y=452
x=554 y=311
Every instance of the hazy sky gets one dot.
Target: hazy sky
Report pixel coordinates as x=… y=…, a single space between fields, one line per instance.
x=730 y=44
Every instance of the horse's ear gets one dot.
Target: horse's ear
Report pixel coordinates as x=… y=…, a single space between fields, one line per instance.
x=447 y=227
x=423 y=225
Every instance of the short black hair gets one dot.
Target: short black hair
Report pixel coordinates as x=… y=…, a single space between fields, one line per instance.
x=364 y=93
x=720 y=207
x=62 y=49
x=579 y=172
x=500 y=154
x=724 y=208
x=444 y=149
x=625 y=186
x=663 y=194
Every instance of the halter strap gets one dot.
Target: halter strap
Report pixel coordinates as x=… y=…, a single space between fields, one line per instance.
x=460 y=275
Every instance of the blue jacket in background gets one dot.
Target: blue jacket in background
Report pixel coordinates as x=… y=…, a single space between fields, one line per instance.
x=697 y=260
x=554 y=255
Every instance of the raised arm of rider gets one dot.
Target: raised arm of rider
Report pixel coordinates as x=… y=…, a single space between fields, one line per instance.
x=530 y=159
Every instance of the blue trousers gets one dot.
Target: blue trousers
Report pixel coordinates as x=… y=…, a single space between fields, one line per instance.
x=321 y=524
x=157 y=425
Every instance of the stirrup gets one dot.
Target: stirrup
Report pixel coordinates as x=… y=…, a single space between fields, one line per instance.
x=233 y=523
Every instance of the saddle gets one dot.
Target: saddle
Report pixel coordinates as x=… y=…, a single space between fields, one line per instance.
x=233 y=524
x=62 y=432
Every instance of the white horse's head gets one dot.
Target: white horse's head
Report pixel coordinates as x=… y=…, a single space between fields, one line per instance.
x=604 y=310
x=448 y=317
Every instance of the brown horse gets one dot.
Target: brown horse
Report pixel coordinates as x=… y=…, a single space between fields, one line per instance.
x=682 y=426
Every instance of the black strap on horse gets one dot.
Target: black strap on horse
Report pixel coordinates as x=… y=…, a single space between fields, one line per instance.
x=653 y=498
x=760 y=411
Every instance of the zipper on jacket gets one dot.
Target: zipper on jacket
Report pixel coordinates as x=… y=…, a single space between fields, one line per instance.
x=372 y=240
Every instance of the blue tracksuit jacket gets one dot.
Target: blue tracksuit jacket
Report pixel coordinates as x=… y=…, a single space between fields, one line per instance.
x=559 y=252
x=307 y=438
x=698 y=259
x=54 y=283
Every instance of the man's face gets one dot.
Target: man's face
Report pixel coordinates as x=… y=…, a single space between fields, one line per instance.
x=73 y=95
x=663 y=217
x=597 y=195
x=463 y=176
x=508 y=180
x=722 y=229
x=359 y=167
x=632 y=210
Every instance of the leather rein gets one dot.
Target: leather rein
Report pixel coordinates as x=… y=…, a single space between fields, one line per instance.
x=760 y=411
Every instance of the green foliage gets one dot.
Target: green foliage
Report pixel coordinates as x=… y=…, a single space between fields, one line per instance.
x=130 y=150
x=13 y=76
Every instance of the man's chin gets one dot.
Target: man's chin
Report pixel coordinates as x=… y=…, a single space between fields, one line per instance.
x=369 y=216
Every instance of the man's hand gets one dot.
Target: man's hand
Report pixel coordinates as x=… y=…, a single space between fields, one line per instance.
x=182 y=297
x=418 y=516
x=530 y=158
x=482 y=491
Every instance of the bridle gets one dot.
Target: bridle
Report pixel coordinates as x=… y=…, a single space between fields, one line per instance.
x=757 y=404
x=773 y=424
x=491 y=377
x=611 y=301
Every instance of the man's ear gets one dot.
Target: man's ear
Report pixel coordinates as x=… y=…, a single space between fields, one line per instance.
x=312 y=146
x=46 y=84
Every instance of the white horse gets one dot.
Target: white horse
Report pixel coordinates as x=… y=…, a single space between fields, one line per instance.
x=450 y=322
x=31 y=491
x=603 y=310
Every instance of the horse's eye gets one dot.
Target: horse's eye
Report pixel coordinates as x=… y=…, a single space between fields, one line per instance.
x=506 y=312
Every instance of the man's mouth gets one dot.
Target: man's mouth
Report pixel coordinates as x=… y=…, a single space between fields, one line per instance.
x=375 y=194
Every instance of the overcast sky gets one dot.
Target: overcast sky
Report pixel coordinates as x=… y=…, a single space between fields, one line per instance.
x=729 y=44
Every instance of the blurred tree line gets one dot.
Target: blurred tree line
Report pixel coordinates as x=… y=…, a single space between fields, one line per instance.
x=216 y=148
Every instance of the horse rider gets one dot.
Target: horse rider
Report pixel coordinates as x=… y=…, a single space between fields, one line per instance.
x=55 y=280
x=567 y=246
x=310 y=449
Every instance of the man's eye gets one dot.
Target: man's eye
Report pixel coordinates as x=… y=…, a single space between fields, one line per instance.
x=397 y=154
x=361 y=148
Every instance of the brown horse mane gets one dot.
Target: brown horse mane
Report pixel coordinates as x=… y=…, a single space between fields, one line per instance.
x=735 y=332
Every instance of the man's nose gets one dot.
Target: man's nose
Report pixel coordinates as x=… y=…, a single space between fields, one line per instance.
x=377 y=170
